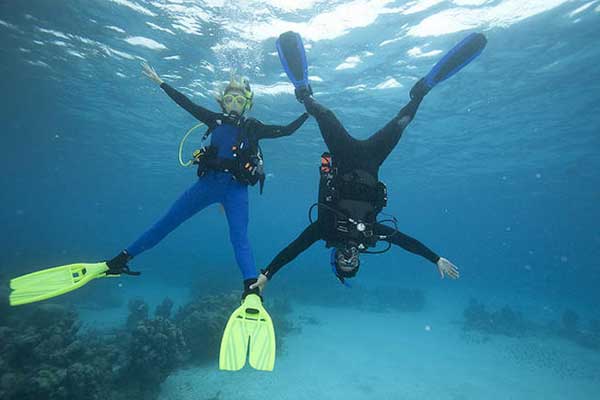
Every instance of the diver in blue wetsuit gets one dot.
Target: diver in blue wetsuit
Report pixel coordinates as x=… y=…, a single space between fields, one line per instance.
x=231 y=163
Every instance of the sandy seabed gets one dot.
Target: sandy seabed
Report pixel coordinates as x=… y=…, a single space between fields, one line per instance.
x=427 y=355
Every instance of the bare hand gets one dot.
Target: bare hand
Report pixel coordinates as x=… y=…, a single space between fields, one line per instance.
x=151 y=73
x=260 y=283
x=447 y=268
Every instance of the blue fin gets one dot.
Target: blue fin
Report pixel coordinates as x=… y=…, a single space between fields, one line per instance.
x=456 y=59
x=293 y=58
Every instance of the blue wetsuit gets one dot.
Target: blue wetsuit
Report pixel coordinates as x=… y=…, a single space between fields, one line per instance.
x=216 y=186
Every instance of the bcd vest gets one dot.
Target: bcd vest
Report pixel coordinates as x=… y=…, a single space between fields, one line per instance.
x=348 y=205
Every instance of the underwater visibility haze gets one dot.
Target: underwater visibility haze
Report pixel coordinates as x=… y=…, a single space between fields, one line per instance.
x=492 y=174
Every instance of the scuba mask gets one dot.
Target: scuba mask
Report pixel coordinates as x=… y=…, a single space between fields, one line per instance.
x=345 y=262
x=236 y=97
x=234 y=103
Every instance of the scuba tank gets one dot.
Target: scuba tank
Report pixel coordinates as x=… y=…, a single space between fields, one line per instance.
x=348 y=205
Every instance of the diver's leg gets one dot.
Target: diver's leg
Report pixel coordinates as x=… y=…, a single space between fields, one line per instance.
x=382 y=142
x=196 y=198
x=335 y=135
x=456 y=59
x=235 y=203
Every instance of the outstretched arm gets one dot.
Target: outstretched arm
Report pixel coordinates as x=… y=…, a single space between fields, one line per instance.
x=383 y=141
x=262 y=131
x=306 y=239
x=412 y=245
x=202 y=114
x=406 y=242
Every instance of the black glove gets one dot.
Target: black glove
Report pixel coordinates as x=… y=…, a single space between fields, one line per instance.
x=118 y=265
x=302 y=93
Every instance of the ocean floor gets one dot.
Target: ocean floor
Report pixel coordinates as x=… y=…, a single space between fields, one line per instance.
x=344 y=354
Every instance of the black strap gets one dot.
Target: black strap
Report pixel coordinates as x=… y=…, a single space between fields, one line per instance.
x=127 y=271
x=124 y=270
x=247 y=290
x=207 y=134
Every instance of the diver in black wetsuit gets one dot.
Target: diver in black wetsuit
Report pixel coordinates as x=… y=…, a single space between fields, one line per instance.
x=351 y=196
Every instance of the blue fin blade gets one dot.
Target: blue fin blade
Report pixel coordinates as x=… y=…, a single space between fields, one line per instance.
x=456 y=59
x=293 y=58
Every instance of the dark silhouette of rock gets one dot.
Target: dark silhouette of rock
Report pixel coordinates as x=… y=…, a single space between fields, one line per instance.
x=505 y=321
x=163 y=310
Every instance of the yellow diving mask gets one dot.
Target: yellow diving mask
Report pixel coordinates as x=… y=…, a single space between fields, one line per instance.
x=235 y=103
x=236 y=97
x=239 y=99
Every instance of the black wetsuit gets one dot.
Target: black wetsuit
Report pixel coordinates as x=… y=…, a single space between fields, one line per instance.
x=353 y=154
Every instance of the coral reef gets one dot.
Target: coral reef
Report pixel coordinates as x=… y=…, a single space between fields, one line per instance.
x=44 y=355
x=163 y=310
x=508 y=322
x=155 y=350
x=138 y=312
x=505 y=321
x=202 y=322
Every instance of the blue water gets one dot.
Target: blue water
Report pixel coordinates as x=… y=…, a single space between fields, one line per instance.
x=499 y=172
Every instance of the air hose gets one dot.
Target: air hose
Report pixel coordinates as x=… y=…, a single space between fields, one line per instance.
x=182 y=142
